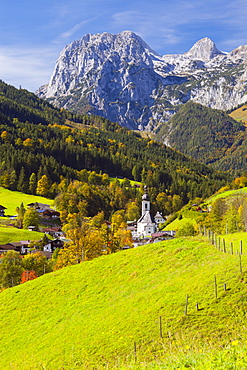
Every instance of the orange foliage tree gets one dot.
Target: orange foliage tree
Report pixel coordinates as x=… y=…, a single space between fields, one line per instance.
x=28 y=275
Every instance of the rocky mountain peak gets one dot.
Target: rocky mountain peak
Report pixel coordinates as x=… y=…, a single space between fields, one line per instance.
x=204 y=49
x=118 y=76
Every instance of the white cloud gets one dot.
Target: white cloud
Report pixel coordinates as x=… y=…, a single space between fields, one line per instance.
x=30 y=67
x=67 y=34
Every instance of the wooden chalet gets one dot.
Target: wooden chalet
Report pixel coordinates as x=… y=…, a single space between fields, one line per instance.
x=2 y=211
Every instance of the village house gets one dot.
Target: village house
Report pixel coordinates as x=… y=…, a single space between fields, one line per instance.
x=53 y=245
x=45 y=210
x=2 y=211
x=22 y=247
x=56 y=232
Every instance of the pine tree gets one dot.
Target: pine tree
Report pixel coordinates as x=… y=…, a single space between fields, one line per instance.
x=21 y=184
x=32 y=183
x=12 y=180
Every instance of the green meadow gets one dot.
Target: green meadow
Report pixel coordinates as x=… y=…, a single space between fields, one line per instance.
x=227 y=194
x=171 y=305
x=11 y=234
x=12 y=199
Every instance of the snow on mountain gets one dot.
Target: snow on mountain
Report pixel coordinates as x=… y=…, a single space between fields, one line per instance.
x=120 y=77
x=204 y=49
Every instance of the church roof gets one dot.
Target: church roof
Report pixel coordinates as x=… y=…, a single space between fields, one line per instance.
x=145 y=195
x=146 y=218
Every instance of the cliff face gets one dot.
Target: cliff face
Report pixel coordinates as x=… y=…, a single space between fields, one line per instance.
x=120 y=77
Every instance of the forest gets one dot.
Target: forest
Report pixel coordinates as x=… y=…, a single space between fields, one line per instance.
x=207 y=135
x=39 y=140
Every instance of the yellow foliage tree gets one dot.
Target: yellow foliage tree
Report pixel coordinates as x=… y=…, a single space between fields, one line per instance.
x=43 y=186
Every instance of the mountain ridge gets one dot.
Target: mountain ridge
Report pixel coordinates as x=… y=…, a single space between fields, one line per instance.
x=121 y=78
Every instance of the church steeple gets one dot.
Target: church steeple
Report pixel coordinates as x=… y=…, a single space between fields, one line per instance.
x=145 y=201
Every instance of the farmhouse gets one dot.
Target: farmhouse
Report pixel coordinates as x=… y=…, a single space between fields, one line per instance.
x=44 y=210
x=22 y=247
x=2 y=210
x=52 y=245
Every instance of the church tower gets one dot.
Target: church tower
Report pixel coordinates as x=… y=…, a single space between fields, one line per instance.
x=145 y=201
x=145 y=224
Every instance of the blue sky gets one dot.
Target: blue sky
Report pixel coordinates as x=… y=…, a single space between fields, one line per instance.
x=32 y=33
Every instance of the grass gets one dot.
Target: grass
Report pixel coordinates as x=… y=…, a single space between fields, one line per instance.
x=12 y=199
x=226 y=194
x=132 y=182
x=105 y=314
x=12 y=234
x=233 y=242
x=240 y=114
x=177 y=224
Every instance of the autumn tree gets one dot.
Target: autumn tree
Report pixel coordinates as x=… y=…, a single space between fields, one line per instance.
x=43 y=186
x=5 y=136
x=177 y=203
x=11 y=268
x=28 y=275
x=243 y=213
x=37 y=262
x=31 y=218
x=32 y=183
x=164 y=203
x=132 y=211
x=231 y=220
x=20 y=215
x=87 y=238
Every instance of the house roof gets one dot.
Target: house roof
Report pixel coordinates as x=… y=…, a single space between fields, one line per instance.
x=39 y=205
x=46 y=254
x=158 y=215
x=7 y=247
x=51 y=229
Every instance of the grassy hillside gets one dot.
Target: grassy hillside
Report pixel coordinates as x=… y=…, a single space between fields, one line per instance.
x=240 y=114
x=12 y=199
x=12 y=234
x=106 y=313
x=227 y=194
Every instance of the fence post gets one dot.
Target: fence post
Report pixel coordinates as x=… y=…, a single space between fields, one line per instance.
x=241 y=247
x=186 y=305
x=224 y=246
x=215 y=287
x=135 y=351
x=240 y=263
x=161 y=331
x=231 y=247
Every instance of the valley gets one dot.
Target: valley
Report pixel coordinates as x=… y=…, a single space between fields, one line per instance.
x=119 y=128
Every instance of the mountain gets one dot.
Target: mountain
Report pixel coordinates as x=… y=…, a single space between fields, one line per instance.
x=207 y=135
x=120 y=77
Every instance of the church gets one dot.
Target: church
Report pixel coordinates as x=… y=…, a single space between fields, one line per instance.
x=146 y=225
